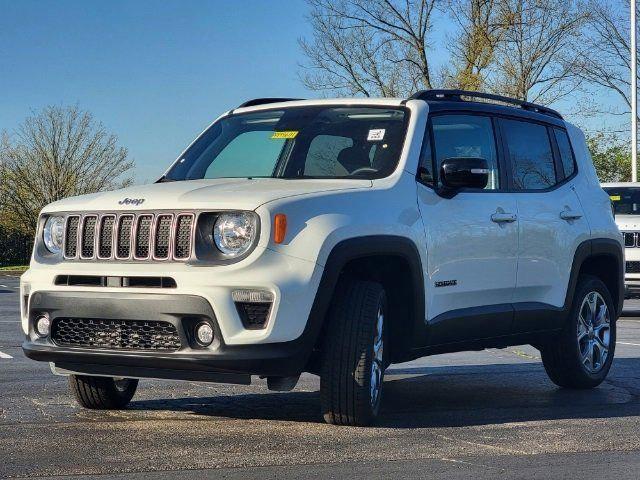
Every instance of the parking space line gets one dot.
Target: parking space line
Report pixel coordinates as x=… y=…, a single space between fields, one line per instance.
x=626 y=343
x=5 y=355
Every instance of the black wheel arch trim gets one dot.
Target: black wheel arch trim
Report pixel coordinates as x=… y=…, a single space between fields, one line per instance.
x=597 y=247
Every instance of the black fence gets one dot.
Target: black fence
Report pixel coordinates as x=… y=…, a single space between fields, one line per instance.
x=15 y=248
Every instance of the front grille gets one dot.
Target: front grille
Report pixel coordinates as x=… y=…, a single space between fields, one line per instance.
x=115 y=334
x=71 y=237
x=163 y=236
x=630 y=239
x=182 y=247
x=88 y=236
x=105 y=247
x=633 y=267
x=143 y=236
x=123 y=246
x=129 y=236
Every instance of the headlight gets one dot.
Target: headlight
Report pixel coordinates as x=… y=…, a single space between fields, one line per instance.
x=53 y=234
x=234 y=233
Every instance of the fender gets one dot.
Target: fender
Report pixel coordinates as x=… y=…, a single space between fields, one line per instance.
x=594 y=248
x=357 y=248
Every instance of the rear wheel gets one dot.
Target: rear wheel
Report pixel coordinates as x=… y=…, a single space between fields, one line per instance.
x=102 y=393
x=353 y=357
x=581 y=356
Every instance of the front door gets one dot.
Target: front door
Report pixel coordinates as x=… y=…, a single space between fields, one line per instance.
x=472 y=238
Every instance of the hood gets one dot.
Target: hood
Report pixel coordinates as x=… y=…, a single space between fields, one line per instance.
x=220 y=193
x=628 y=222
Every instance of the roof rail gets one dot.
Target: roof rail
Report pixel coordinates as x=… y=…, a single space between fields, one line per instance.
x=263 y=101
x=456 y=95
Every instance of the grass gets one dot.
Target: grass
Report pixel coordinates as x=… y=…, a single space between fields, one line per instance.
x=14 y=268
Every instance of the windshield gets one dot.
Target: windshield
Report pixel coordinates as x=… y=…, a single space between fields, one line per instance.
x=625 y=200
x=300 y=142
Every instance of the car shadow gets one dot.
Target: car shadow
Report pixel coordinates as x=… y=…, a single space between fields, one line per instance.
x=443 y=397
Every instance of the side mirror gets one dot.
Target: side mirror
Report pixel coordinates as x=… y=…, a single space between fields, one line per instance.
x=464 y=172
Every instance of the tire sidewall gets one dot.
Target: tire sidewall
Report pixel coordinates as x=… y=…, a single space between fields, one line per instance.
x=588 y=285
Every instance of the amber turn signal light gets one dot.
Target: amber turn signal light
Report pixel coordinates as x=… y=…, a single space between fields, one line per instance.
x=279 y=227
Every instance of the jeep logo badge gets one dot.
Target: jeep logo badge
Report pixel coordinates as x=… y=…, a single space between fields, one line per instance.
x=131 y=201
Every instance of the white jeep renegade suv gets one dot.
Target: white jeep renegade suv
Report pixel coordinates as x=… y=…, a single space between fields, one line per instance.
x=334 y=237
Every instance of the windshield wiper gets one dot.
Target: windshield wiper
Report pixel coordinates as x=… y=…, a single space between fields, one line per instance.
x=164 y=179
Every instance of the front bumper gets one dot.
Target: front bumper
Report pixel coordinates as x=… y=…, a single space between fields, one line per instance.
x=632 y=288
x=220 y=362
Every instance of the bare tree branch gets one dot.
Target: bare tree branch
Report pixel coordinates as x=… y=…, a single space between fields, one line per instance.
x=56 y=153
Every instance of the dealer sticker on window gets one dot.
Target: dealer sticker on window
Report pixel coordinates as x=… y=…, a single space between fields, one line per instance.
x=376 y=135
x=286 y=134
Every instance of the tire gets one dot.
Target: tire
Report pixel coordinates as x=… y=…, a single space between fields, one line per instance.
x=352 y=368
x=102 y=393
x=566 y=359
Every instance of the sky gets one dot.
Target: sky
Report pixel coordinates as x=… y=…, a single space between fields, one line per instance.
x=155 y=73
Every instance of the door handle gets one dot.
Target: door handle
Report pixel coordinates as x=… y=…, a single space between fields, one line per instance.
x=501 y=217
x=569 y=215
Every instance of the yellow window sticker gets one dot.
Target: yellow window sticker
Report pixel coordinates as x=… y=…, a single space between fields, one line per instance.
x=615 y=198
x=286 y=134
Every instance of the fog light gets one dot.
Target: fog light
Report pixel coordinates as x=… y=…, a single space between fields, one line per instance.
x=204 y=334
x=43 y=325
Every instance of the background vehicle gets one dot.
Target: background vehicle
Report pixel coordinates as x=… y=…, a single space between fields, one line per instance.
x=625 y=198
x=335 y=237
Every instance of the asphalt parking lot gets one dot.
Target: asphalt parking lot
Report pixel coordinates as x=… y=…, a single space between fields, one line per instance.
x=491 y=414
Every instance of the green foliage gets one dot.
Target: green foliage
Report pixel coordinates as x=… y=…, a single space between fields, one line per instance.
x=611 y=157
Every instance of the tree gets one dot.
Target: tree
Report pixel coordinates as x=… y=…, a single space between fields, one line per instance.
x=611 y=157
x=56 y=153
x=369 y=47
x=535 y=59
x=605 y=59
x=481 y=28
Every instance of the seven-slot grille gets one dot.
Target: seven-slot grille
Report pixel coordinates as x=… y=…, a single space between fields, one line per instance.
x=128 y=236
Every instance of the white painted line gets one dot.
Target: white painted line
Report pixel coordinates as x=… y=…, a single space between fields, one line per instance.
x=5 y=355
x=632 y=344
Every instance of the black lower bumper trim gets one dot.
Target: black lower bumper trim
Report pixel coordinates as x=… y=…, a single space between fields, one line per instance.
x=147 y=372
x=183 y=311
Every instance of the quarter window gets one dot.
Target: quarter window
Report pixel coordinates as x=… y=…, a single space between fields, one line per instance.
x=530 y=153
x=459 y=136
x=566 y=154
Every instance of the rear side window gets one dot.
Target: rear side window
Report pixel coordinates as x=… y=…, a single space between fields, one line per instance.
x=457 y=136
x=566 y=154
x=530 y=153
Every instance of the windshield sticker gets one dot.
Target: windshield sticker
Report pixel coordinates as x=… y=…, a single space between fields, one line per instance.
x=615 y=198
x=286 y=134
x=376 y=135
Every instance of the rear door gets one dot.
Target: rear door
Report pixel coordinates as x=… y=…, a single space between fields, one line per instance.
x=471 y=238
x=551 y=220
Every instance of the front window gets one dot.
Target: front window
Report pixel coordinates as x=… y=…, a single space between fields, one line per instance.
x=625 y=200
x=300 y=142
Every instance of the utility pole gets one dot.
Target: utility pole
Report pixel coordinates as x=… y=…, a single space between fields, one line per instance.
x=634 y=97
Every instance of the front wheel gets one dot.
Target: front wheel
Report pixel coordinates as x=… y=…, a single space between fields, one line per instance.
x=581 y=356
x=102 y=393
x=353 y=356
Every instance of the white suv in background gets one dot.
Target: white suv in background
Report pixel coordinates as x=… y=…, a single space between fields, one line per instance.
x=334 y=237
x=625 y=198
